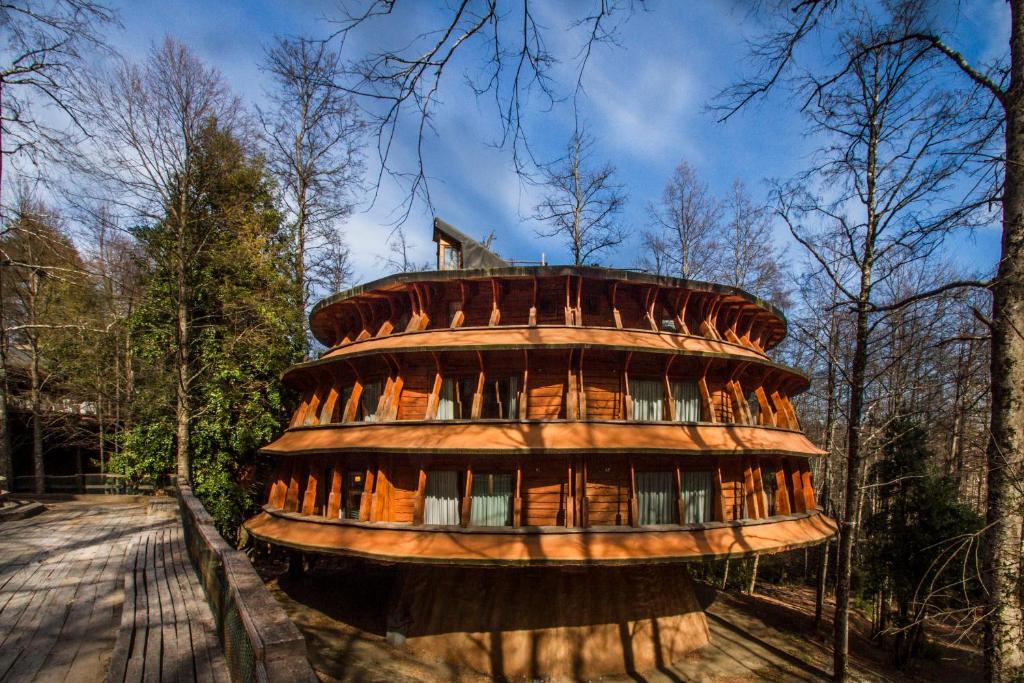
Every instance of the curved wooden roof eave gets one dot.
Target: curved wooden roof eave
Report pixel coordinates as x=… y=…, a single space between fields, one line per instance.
x=515 y=437
x=528 y=547
x=629 y=276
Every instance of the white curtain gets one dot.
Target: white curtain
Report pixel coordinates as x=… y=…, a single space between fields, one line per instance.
x=492 y=500
x=441 y=503
x=510 y=401
x=446 y=400
x=697 y=492
x=654 y=497
x=648 y=399
x=369 y=400
x=686 y=398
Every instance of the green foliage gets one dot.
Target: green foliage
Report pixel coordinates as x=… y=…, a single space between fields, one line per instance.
x=918 y=541
x=245 y=331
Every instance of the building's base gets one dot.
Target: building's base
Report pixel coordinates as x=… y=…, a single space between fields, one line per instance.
x=568 y=622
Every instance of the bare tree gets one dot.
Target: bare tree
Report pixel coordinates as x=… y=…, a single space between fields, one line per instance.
x=42 y=49
x=993 y=141
x=314 y=135
x=582 y=201
x=681 y=239
x=147 y=120
x=400 y=259
x=747 y=256
x=889 y=165
x=400 y=85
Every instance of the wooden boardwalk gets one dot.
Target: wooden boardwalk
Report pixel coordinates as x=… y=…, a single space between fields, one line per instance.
x=92 y=592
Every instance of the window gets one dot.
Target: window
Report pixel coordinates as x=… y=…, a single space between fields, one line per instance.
x=446 y=400
x=491 y=500
x=655 y=502
x=338 y=409
x=648 y=399
x=354 y=483
x=368 y=401
x=451 y=257
x=441 y=502
x=501 y=399
x=696 y=494
x=686 y=399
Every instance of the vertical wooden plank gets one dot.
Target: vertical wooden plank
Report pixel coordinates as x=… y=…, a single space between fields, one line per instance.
x=352 y=407
x=495 y=318
x=781 y=494
x=517 y=507
x=581 y=493
x=291 y=499
x=434 y=398
x=467 y=498
x=634 y=512
x=781 y=416
x=366 y=501
x=570 y=499
x=796 y=478
x=719 y=506
x=284 y=475
x=791 y=413
x=805 y=478
x=421 y=494
x=312 y=482
x=759 y=493
x=767 y=414
x=748 y=491
x=680 y=503
x=707 y=403
x=334 y=499
x=572 y=397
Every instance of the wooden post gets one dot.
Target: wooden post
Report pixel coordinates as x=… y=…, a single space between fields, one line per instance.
x=719 y=507
x=467 y=499
x=634 y=510
x=748 y=491
x=705 y=395
x=532 y=322
x=352 y=407
x=517 y=508
x=767 y=414
x=781 y=495
x=796 y=478
x=581 y=492
x=291 y=499
x=680 y=503
x=761 y=497
x=309 y=499
x=495 y=303
x=421 y=495
x=805 y=478
x=334 y=498
x=572 y=397
x=280 y=487
x=781 y=416
x=366 y=501
x=615 y=309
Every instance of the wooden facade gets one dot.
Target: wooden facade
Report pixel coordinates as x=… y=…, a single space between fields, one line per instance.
x=642 y=412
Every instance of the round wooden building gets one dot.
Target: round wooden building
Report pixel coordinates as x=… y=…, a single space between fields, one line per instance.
x=541 y=449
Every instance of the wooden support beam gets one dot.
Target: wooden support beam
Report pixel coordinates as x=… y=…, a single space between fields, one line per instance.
x=796 y=479
x=297 y=472
x=681 y=314
x=791 y=413
x=467 y=498
x=495 y=303
x=570 y=499
x=334 y=498
x=421 y=497
x=309 y=498
x=805 y=478
x=759 y=492
x=616 y=316
x=634 y=510
x=579 y=301
x=532 y=322
x=517 y=504
x=719 y=506
x=582 y=386
x=650 y=304
x=781 y=494
x=627 y=405
x=524 y=394
x=280 y=488
x=667 y=387
x=680 y=503
x=749 y=494
x=366 y=500
x=767 y=414
x=581 y=493
x=705 y=395
x=781 y=414
x=572 y=396
x=478 y=397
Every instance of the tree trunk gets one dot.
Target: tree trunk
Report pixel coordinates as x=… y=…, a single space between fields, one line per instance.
x=181 y=357
x=1002 y=548
x=753 y=575
x=38 y=466
x=819 y=592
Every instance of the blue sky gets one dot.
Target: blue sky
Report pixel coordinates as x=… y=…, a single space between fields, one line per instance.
x=644 y=101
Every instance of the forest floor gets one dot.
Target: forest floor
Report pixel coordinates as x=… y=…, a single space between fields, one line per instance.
x=767 y=636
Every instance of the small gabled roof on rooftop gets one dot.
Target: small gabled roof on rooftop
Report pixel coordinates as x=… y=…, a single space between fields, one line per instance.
x=474 y=254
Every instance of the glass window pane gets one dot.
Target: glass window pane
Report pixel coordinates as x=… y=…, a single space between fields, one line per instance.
x=492 y=500
x=354 y=484
x=368 y=401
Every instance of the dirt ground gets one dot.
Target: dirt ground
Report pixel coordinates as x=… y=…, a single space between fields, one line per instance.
x=340 y=607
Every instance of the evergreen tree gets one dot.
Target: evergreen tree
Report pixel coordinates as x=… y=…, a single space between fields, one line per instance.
x=246 y=331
